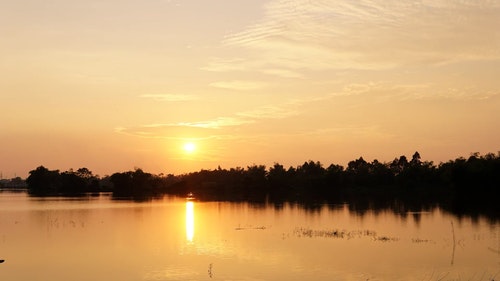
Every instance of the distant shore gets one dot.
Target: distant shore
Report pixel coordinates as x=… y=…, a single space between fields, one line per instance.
x=464 y=185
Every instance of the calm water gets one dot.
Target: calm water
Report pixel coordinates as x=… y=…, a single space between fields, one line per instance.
x=98 y=238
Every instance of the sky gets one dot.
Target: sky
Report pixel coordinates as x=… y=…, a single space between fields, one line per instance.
x=116 y=85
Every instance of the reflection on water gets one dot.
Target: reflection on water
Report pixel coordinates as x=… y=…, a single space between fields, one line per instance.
x=102 y=239
x=189 y=221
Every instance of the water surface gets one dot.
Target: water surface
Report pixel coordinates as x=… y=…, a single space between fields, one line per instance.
x=97 y=238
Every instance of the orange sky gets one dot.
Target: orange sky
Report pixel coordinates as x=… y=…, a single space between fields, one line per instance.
x=113 y=85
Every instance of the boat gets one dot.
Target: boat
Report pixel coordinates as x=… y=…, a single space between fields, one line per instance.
x=190 y=196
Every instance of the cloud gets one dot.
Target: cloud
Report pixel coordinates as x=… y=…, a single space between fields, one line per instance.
x=220 y=127
x=219 y=122
x=238 y=85
x=231 y=126
x=403 y=92
x=218 y=64
x=349 y=131
x=169 y=97
x=269 y=112
x=168 y=131
x=298 y=35
x=469 y=94
x=283 y=73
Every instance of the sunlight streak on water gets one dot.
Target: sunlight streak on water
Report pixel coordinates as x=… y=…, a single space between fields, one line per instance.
x=190 y=221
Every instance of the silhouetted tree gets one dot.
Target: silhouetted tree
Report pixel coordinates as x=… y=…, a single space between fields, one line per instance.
x=309 y=181
x=475 y=181
x=255 y=181
x=42 y=181
x=398 y=165
x=358 y=172
x=279 y=183
x=133 y=183
x=415 y=159
x=380 y=174
x=334 y=175
x=72 y=183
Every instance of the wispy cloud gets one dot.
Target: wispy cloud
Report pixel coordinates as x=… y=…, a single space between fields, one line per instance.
x=218 y=64
x=381 y=89
x=427 y=91
x=269 y=112
x=219 y=122
x=220 y=127
x=237 y=125
x=228 y=127
x=169 y=97
x=367 y=34
x=469 y=94
x=283 y=73
x=168 y=131
x=350 y=131
x=238 y=85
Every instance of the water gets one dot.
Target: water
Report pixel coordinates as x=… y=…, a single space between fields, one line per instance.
x=97 y=238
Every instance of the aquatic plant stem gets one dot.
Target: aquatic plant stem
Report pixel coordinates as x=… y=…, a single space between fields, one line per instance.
x=454 y=243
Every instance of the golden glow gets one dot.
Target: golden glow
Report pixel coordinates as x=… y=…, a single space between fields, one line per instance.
x=189 y=147
x=189 y=221
x=257 y=93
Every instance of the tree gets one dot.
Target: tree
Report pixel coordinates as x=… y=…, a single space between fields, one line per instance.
x=255 y=182
x=133 y=183
x=380 y=173
x=415 y=159
x=43 y=181
x=277 y=174
x=85 y=173
x=71 y=183
x=279 y=182
x=358 y=172
x=334 y=175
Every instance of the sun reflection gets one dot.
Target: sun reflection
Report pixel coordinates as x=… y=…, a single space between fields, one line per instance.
x=190 y=221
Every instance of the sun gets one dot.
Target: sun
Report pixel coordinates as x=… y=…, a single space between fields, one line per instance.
x=189 y=147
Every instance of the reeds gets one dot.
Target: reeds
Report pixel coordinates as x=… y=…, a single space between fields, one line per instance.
x=341 y=234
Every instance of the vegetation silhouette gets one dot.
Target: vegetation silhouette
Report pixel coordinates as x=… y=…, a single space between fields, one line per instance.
x=45 y=182
x=463 y=186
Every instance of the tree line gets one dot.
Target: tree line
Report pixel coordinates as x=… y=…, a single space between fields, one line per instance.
x=472 y=181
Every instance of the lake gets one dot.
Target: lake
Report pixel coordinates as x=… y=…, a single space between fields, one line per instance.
x=98 y=238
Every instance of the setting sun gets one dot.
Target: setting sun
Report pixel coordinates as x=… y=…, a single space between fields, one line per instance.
x=189 y=147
